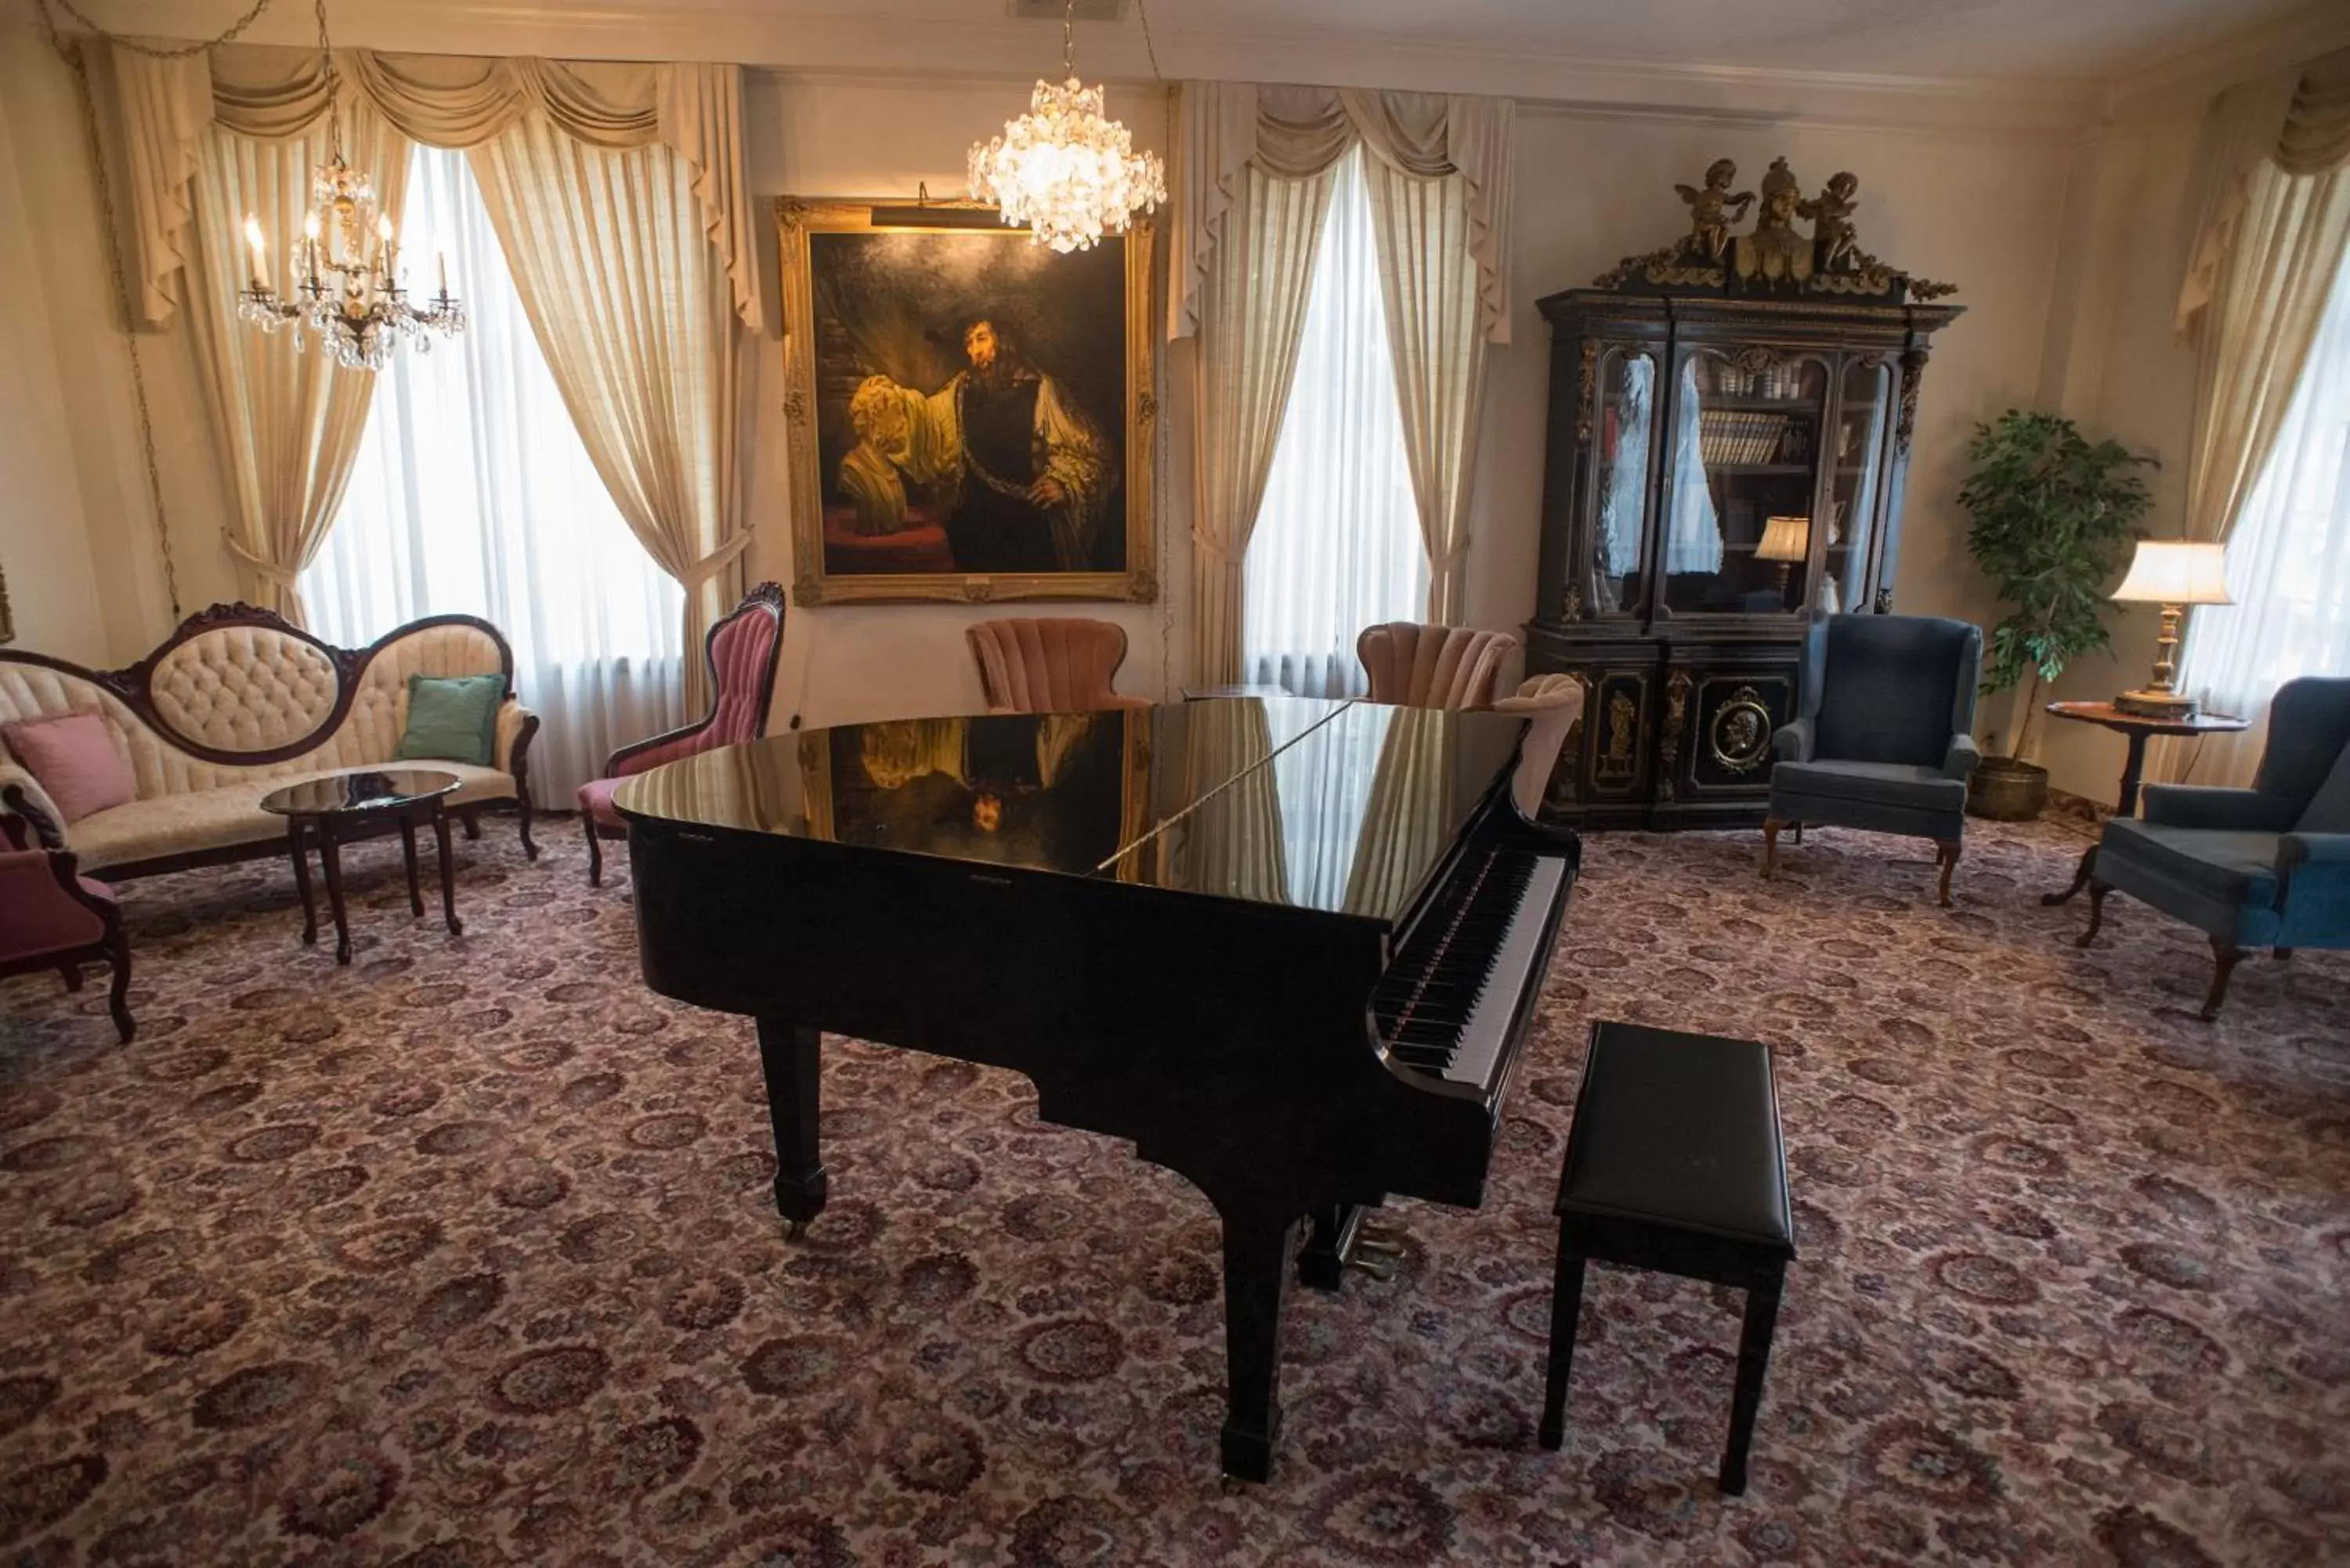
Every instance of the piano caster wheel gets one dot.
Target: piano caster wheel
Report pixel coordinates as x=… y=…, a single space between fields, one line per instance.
x=795 y=1229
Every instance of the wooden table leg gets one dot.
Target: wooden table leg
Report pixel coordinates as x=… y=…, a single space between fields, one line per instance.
x=1753 y=1361
x=2080 y=877
x=448 y=871
x=1565 y=1312
x=408 y=848
x=330 y=857
x=302 y=879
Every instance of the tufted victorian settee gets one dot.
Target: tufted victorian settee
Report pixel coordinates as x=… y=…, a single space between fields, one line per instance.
x=236 y=702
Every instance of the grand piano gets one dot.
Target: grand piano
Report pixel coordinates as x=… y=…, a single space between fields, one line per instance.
x=1288 y=948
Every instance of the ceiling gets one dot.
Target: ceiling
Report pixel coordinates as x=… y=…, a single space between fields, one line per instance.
x=1925 y=60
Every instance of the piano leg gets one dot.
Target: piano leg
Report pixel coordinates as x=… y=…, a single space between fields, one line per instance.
x=789 y=1055
x=1257 y=1252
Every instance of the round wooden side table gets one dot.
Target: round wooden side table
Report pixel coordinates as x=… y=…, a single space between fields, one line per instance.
x=2137 y=727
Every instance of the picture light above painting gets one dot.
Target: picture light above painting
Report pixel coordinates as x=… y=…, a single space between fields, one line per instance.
x=971 y=417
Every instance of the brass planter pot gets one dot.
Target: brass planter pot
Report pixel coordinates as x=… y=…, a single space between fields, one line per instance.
x=2004 y=790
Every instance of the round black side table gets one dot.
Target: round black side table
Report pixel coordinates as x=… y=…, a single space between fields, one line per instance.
x=340 y=807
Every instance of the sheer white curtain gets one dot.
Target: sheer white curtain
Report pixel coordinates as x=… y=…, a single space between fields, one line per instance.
x=2288 y=559
x=1337 y=545
x=473 y=493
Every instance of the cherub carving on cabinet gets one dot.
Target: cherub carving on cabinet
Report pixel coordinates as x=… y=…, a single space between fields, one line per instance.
x=1835 y=246
x=1712 y=210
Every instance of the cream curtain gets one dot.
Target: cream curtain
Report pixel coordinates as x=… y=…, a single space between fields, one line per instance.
x=288 y=424
x=1254 y=316
x=2272 y=205
x=1231 y=844
x=1222 y=127
x=1427 y=279
x=444 y=100
x=637 y=319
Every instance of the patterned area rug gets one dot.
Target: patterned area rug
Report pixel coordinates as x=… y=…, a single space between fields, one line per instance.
x=464 y=1255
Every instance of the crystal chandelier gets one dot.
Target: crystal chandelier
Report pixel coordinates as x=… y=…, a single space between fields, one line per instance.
x=347 y=290
x=1064 y=168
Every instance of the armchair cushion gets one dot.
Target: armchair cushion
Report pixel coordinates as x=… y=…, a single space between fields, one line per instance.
x=2231 y=867
x=75 y=757
x=1875 y=783
x=2210 y=806
x=1888 y=688
x=1434 y=666
x=595 y=802
x=2329 y=809
x=451 y=717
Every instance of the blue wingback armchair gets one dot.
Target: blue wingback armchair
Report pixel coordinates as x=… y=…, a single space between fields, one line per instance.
x=1883 y=739
x=2267 y=866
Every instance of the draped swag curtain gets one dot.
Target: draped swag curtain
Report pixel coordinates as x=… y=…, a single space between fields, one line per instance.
x=2271 y=210
x=600 y=178
x=1252 y=169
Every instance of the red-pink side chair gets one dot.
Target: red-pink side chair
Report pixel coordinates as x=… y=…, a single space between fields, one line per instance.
x=1050 y=664
x=743 y=650
x=53 y=920
x=1416 y=666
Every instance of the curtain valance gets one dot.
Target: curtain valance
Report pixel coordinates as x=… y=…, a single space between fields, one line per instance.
x=446 y=101
x=2297 y=120
x=1293 y=132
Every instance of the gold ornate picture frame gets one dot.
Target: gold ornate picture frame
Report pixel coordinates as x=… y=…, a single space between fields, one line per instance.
x=971 y=418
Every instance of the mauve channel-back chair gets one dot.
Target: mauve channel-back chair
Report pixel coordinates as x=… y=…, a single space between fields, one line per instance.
x=742 y=651
x=1416 y=666
x=1050 y=664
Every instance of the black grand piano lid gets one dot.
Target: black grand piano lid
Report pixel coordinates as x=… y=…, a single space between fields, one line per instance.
x=1344 y=808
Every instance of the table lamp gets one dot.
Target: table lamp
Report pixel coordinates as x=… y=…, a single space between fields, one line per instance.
x=1785 y=540
x=2174 y=574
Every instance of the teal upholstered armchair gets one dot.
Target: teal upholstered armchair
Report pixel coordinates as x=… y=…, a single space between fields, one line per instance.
x=2267 y=866
x=1882 y=738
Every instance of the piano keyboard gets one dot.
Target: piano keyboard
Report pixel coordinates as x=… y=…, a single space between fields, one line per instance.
x=1445 y=1004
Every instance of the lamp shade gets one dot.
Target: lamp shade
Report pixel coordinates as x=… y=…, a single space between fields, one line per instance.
x=2176 y=572
x=1784 y=539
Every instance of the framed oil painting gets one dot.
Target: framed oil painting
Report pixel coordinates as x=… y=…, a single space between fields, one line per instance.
x=970 y=416
x=1063 y=791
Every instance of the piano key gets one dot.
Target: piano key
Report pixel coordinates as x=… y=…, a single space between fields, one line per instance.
x=1518 y=964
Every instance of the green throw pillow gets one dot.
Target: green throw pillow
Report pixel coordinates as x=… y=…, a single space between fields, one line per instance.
x=451 y=719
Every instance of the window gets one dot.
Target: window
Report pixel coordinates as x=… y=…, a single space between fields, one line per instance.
x=471 y=492
x=1337 y=545
x=2289 y=552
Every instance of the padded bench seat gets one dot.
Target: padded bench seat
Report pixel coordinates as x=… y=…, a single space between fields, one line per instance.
x=179 y=824
x=1674 y=1163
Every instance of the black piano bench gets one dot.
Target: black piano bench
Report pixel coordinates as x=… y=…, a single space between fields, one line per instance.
x=1674 y=1164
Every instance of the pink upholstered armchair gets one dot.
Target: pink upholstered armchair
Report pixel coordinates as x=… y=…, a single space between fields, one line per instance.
x=743 y=650
x=1416 y=666
x=1050 y=665
x=53 y=919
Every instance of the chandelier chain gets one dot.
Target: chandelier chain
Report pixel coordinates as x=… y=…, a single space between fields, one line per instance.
x=1069 y=38
x=76 y=60
x=334 y=86
x=1143 y=6
x=155 y=52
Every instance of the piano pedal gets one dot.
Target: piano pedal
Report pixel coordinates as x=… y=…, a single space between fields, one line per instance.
x=1381 y=1234
x=1379 y=1264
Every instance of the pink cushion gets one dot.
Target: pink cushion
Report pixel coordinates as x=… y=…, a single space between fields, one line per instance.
x=596 y=800
x=1420 y=666
x=74 y=757
x=1049 y=664
x=738 y=655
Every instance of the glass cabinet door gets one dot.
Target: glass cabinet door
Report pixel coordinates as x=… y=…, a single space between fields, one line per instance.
x=1745 y=459
x=1857 y=478
x=1621 y=438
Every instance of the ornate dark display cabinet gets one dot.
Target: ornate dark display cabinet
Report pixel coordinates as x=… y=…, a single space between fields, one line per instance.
x=1726 y=452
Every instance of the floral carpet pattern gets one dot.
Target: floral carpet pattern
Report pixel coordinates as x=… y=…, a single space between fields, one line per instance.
x=465 y=1256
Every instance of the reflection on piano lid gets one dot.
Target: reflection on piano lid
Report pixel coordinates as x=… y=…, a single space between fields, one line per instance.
x=1344 y=808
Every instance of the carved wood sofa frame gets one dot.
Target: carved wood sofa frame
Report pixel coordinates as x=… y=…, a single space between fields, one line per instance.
x=133 y=689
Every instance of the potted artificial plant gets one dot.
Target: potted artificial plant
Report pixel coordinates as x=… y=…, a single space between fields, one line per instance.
x=2053 y=517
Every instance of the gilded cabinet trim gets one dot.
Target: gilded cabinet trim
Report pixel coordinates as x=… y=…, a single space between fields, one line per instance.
x=1668 y=743
x=1740 y=735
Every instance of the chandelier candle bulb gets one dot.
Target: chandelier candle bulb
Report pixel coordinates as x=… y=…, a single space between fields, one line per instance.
x=260 y=255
